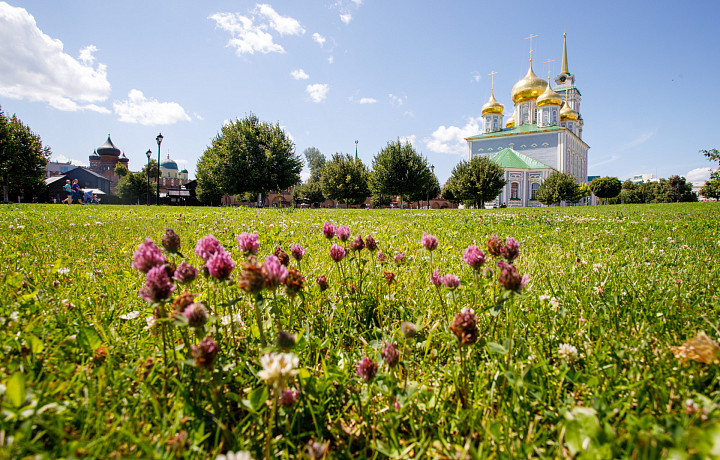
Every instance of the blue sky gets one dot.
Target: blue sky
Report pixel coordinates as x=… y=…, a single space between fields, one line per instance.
x=333 y=72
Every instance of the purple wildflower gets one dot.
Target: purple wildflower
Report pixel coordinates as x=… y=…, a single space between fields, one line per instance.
x=206 y=246
x=322 y=282
x=196 y=314
x=337 y=253
x=399 y=258
x=185 y=273
x=495 y=246
x=147 y=256
x=328 y=230
x=474 y=257
x=381 y=257
x=451 y=281
x=511 y=249
x=248 y=243
x=274 y=272
x=465 y=327
x=436 y=278
x=287 y=397
x=429 y=241
x=297 y=252
x=358 y=244
x=220 y=264
x=343 y=233
x=390 y=354
x=171 y=240
x=157 y=285
x=370 y=243
x=205 y=353
x=408 y=329
x=366 y=369
x=510 y=278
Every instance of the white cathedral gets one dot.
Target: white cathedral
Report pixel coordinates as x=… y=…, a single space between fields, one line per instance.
x=543 y=134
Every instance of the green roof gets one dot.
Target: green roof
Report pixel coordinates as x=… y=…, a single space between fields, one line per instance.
x=516 y=130
x=509 y=158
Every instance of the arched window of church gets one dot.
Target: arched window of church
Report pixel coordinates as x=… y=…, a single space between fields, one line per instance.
x=514 y=188
x=533 y=190
x=495 y=122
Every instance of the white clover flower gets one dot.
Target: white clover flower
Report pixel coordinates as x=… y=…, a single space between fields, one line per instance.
x=63 y=271
x=230 y=455
x=568 y=353
x=543 y=297
x=236 y=318
x=597 y=268
x=131 y=315
x=466 y=309
x=278 y=368
x=555 y=302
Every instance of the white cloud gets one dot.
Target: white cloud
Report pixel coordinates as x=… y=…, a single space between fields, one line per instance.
x=451 y=139
x=284 y=25
x=64 y=159
x=331 y=60
x=368 y=100
x=698 y=176
x=409 y=139
x=149 y=112
x=318 y=91
x=250 y=33
x=357 y=2
x=396 y=100
x=319 y=39
x=299 y=74
x=35 y=67
x=346 y=18
x=198 y=116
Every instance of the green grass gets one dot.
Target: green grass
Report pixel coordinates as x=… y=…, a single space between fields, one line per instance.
x=78 y=380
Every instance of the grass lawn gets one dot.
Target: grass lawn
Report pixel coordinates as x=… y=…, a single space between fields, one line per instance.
x=600 y=355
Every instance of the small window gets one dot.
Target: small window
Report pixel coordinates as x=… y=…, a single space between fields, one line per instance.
x=514 y=187
x=533 y=190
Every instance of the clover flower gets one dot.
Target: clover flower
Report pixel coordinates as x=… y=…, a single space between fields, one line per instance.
x=451 y=281
x=248 y=243
x=366 y=369
x=381 y=257
x=220 y=264
x=399 y=258
x=464 y=327
x=474 y=257
x=170 y=241
x=317 y=450
x=436 y=278
x=495 y=246
x=278 y=369
x=157 y=285
x=294 y=282
x=274 y=272
x=196 y=314
x=147 y=256
x=230 y=455
x=390 y=354
x=185 y=273
x=182 y=301
x=511 y=249
x=370 y=243
x=297 y=252
x=206 y=246
x=322 y=282
x=282 y=256
x=343 y=233
x=205 y=353
x=252 y=279
x=358 y=244
x=568 y=353
x=337 y=253
x=328 y=230
x=429 y=242
x=510 y=278
x=287 y=397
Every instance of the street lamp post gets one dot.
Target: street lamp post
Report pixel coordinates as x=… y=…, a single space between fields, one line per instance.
x=159 y=140
x=148 y=154
x=432 y=168
x=356 y=143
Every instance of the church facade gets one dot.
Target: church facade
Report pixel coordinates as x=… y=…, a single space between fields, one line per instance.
x=543 y=134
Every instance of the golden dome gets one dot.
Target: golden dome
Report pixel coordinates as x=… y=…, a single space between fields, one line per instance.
x=492 y=106
x=510 y=123
x=568 y=113
x=549 y=97
x=530 y=87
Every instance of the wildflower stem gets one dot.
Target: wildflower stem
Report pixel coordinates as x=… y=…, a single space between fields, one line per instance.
x=258 y=318
x=271 y=419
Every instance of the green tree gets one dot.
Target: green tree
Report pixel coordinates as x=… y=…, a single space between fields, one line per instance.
x=380 y=201
x=23 y=159
x=606 y=187
x=315 y=161
x=310 y=191
x=134 y=187
x=476 y=181
x=345 y=179
x=558 y=187
x=120 y=170
x=674 y=189
x=248 y=156
x=711 y=189
x=398 y=170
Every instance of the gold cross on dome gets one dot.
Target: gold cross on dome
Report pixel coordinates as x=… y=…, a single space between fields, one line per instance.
x=531 y=48
x=548 y=63
x=492 y=80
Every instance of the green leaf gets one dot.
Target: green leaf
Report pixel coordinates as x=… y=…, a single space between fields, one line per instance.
x=496 y=348
x=89 y=339
x=581 y=429
x=15 y=389
x=258 y=397
x=36 y=345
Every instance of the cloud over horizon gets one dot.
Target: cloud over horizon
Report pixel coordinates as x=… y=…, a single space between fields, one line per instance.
x=148 y=112
x=318 y=91
x=451 y=139
x=35 y=67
